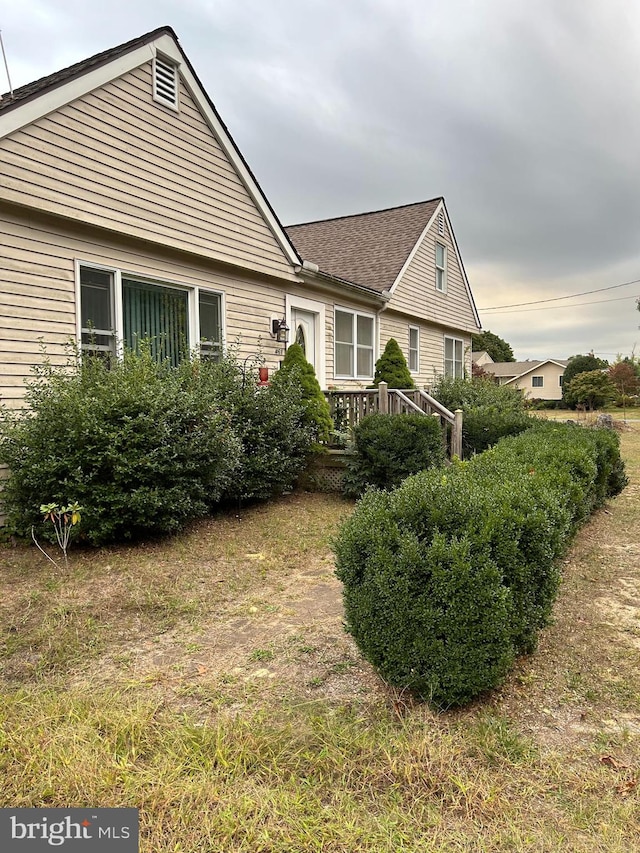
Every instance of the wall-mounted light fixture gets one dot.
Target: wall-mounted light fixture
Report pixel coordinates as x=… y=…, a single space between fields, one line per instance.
x=280 y=330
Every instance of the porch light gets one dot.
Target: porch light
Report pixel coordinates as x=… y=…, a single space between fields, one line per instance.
x=280 y=330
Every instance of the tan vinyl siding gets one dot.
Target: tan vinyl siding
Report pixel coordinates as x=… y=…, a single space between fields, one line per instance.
x=551 y=388
x=37 y=291
x=117 y=159
x=416 y=291
x=431 y=345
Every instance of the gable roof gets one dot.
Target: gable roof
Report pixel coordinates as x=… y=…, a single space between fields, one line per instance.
x=516 y=369
x=51 y=92
x=368 y=249
x=52 y=81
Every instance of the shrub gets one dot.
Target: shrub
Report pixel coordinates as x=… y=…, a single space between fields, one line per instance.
x=491 y=411
x=317 y=408
x=450 y=576
x=144 y=447
x=389 y=448
x=137 y=445
x=276 y=438
x=392 y=368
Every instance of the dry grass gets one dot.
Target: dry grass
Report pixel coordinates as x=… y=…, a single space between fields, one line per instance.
x=207 y=680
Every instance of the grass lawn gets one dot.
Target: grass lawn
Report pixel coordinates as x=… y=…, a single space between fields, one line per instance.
x=207 y=680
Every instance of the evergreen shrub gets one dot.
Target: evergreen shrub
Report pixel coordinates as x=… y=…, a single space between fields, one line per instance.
x=451 y=575
x=388 y=448
x=490 y=411
x=392 y=368
x=315 y=403
x=144 y=447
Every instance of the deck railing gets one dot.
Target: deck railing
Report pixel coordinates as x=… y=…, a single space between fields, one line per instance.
x=349 y=407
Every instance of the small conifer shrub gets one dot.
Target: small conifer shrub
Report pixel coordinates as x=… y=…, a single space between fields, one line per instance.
x=317 y=408
x=392 y=367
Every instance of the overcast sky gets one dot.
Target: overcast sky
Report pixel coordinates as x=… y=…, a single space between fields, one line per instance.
x=524 y=115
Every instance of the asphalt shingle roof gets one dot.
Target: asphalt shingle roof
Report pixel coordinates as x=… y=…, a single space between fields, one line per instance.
x=517 y=368
x=38 y=87
x=368 y=249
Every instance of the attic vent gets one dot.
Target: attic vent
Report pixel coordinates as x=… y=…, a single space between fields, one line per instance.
x=165 y=82
x=441 y=223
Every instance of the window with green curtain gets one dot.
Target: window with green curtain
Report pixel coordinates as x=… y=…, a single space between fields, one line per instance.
x=159 y=314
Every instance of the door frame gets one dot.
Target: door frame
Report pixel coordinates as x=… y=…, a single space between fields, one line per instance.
x=317 y=308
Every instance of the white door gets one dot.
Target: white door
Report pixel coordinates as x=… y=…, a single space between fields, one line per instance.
x=303 y=332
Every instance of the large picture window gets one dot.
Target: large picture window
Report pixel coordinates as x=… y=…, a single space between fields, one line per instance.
x=353 y=335
x=172 y=319
x=454 y=358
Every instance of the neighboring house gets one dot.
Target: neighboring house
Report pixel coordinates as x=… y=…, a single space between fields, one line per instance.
x=481 y=358
x=539 y=380
x=127 y=211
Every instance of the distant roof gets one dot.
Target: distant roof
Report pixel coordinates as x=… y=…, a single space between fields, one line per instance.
x=368 y=249
x=476 y=354
x=44 y=84
x=517 y=368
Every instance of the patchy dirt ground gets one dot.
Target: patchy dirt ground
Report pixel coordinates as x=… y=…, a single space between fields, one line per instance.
x=245 y=608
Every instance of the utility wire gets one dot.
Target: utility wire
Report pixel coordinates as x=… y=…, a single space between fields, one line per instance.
x=558 y=298
x=556 y=307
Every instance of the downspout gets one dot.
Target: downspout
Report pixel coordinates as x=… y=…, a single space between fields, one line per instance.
x=386 y=296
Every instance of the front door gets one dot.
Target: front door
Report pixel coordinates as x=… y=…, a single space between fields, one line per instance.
x=303 y=332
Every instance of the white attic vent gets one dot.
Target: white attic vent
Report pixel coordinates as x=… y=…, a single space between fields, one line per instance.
x=165 y=82
x=441 y=223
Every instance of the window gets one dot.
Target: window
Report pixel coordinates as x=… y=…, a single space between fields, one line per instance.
x=560 y=380
x=414 y=349
x=453 y=358
x=96 y=311
x=165 y=82
x=353 y=344
x=441 y=267
x=537 y=381
x=171 y=318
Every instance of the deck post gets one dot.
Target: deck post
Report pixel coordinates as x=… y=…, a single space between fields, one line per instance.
x=456 y=435
x=383 y=398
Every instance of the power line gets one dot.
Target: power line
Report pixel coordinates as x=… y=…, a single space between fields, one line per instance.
x=558 y=298
x=559 y=307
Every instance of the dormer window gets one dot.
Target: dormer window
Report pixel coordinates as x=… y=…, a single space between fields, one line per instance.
x=165 y=82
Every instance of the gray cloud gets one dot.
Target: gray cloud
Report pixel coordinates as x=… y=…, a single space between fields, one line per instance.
x=522 y=114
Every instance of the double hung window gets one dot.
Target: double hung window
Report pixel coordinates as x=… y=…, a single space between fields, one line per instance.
x=414 y=349
x=354 y=334
x=441 y=267
x=454 y=358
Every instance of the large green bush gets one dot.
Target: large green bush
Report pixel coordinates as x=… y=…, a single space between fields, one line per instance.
x=579 y=364
x=389 y=448
x=144 y=447
x=490 y=411
x=450 y=576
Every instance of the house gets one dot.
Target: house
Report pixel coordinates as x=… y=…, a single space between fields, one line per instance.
x=539 y=380
x=481 y=358
x=127 y=211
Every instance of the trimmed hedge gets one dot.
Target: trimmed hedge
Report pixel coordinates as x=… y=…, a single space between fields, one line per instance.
x=389 y=448
x=451 y=576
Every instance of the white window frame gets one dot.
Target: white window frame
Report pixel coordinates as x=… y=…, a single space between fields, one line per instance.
x=158 y=96
x=454 y=341
x=355 y=313
x=193 y=295
x=535 y=384
x=441 y=269
x=415 y=349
